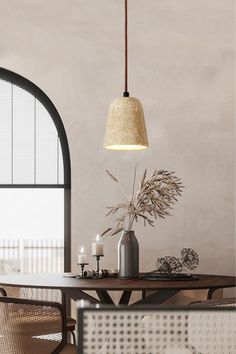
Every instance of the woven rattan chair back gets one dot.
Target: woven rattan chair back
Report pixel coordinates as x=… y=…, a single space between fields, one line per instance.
x=228 y=302
x=156 y=331
x=41 y=294
x=20 y=321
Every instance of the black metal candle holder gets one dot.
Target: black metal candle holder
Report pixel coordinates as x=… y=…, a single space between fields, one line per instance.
x=98 y=263
x=82 y=265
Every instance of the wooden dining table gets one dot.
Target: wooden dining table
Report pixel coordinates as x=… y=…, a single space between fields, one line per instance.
x=152 y=291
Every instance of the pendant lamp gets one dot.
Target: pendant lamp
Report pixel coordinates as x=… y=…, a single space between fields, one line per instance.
x=125 y=128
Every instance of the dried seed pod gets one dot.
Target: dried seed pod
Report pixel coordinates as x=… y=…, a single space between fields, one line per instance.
x=188 y=261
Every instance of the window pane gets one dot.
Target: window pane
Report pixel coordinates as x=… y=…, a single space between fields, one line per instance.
x=37 y=213
x=29 y=147
x=23 y=136
x=33 y=243
x=46 y=147
x=5 y=132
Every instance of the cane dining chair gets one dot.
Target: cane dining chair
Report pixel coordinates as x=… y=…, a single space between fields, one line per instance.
x=24 y=329
x=43 y=294
x=156 y=330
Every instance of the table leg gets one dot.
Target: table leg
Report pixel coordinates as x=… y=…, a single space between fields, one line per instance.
x=75 y=294
x=157 y=298
x=125 y=297
x=104 y=297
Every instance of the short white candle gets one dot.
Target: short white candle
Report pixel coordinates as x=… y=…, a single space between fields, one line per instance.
x=97 y=247
x=82 y=257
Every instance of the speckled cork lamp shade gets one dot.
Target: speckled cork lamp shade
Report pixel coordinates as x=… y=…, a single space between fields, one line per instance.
x=125 y=128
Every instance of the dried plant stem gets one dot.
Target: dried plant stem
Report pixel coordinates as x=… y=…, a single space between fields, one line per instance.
x=132 y=200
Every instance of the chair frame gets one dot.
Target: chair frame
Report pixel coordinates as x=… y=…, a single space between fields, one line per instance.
x=3 y=292
x=56 y=305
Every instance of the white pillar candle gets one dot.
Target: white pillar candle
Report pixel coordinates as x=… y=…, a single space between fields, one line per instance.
x=82 y=257
x=97 y=247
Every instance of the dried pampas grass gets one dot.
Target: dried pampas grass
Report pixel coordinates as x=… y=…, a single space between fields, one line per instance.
x=155 y=198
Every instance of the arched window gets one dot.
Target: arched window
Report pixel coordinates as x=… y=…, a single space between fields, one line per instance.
x=34 y=152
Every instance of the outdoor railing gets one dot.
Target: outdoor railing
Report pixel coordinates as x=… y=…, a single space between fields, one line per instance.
x=31 y=256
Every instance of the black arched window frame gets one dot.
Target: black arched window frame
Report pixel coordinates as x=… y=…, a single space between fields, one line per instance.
x=34 y=90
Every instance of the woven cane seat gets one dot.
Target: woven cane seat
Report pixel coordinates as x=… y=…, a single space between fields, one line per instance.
x=24 y=344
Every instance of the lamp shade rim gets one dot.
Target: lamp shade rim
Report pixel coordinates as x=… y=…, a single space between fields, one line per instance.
x=125 y=147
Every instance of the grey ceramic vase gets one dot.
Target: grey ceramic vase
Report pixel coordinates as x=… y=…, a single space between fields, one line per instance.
x=128 y=256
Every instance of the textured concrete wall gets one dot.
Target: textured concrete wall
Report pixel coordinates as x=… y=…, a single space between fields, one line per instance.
x=181 y=68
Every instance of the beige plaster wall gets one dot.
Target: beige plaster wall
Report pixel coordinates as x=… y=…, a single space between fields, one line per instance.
x=181 y=68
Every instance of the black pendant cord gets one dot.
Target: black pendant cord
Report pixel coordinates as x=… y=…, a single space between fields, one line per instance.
x=126 y=93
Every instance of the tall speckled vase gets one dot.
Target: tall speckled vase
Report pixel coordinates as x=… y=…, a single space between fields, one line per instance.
x=128 y=256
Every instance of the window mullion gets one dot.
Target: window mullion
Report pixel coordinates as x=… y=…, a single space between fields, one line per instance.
x=35 y=140
x=12 y=134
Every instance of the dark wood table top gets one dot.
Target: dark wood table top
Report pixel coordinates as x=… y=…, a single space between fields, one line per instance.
x=205 y=281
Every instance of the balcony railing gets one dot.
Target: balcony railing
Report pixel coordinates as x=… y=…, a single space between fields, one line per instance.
x=31 y=256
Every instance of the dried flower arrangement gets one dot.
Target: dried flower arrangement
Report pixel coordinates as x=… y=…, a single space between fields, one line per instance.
x=155 y=198
x=188 y=261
